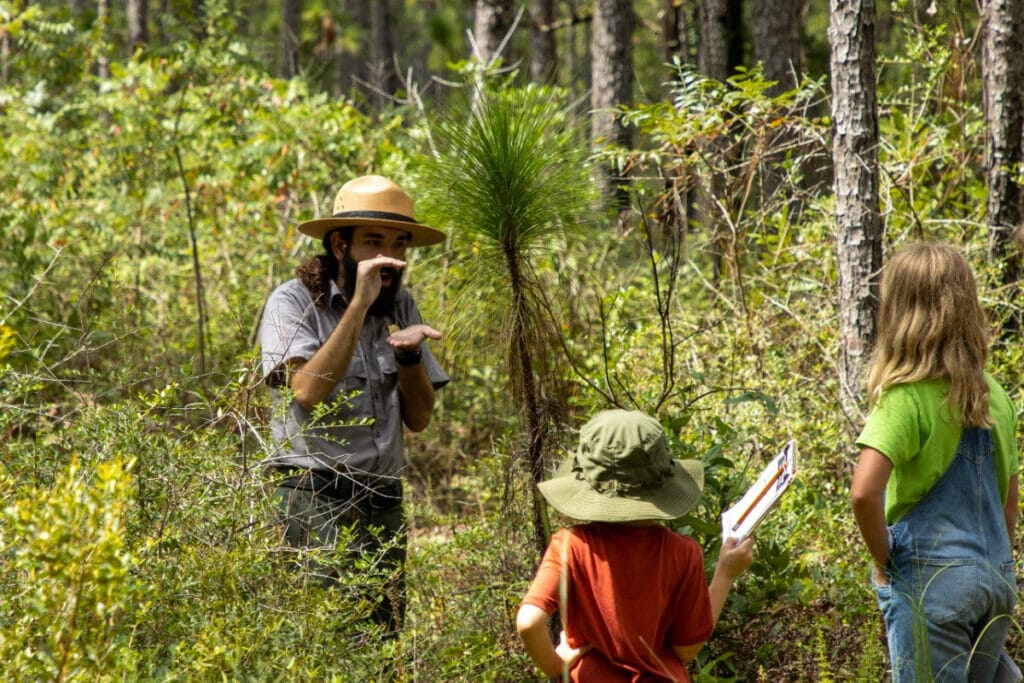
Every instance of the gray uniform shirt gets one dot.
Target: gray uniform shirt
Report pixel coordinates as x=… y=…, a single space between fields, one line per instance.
x=358 y=430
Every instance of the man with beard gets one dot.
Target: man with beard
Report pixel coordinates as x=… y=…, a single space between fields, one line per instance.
x=344 y=354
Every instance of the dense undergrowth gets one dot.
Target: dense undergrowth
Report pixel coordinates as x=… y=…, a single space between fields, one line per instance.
x=147 y=216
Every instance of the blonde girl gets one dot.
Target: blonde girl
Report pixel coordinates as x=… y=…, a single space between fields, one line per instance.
x=934 y=492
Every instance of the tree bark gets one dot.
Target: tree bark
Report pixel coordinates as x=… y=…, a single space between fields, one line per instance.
x=858 y=219
x=1003 y=71
x=329 y=55
x=713 y=62
x=383 y=75
x=163 y=13
x=543 y=50
x=778 y=47
x=675 y=26
x=680 y=196
x=291 y=13
x=491 y=22
x=713 y=47
x=577 y=53
x=353 y=66
x=611 y=57
x=138 y=29
x=199 y=18
x=102 y=54
x=5 y=56
x=777 y=41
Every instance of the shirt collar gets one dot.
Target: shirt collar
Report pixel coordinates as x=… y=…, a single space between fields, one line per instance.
x=336 y=296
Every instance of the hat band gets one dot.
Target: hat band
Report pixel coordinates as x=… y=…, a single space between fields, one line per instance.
x=375 y=215
x=618 y=487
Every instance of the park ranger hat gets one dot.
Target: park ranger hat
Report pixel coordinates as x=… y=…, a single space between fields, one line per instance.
x=623 y=471
x=373 y=200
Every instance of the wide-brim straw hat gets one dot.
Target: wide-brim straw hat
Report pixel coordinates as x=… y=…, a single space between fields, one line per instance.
x=373 y=200
x=623 y=471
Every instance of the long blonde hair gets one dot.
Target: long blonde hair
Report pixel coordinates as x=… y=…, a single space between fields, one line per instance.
x=931 y=326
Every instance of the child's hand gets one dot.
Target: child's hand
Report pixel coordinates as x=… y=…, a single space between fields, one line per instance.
x=569 y=655
x=736 y=556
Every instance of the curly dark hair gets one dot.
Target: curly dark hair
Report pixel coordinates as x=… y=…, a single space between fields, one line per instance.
x=318 y=271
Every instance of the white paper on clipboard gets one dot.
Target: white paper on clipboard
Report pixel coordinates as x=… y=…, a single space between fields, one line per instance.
x=741 y=519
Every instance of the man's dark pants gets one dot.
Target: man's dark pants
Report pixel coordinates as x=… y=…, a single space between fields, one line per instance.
x=316 y=508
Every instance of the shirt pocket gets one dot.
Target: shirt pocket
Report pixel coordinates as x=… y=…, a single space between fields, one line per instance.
x=389 y=374
x=351 y=397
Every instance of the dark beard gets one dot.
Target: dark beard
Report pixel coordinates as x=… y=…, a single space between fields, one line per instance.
x=384 y=304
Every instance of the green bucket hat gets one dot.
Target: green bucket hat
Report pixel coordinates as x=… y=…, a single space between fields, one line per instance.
x=623 y=471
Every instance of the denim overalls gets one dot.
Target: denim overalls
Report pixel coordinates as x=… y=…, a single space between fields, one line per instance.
x=948 y=609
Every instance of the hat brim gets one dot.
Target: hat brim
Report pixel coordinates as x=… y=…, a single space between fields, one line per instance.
x=419 y=235
x=674 y=497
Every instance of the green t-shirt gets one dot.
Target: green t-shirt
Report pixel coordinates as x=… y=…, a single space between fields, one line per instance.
x=912 y=427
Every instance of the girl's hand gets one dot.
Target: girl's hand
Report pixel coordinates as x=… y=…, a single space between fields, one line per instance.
x=569 y=655
x=881 y=575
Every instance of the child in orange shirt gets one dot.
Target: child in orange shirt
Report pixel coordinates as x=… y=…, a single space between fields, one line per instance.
x=636 y=604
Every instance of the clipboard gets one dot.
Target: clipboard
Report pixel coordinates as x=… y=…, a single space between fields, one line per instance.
x=740 y=520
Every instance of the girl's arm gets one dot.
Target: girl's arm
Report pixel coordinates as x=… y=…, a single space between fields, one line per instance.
x=867 y=493
x=1010 y=509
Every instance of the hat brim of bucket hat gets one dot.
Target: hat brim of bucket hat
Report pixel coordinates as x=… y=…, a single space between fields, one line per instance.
x=674 y=497
x=419 y=235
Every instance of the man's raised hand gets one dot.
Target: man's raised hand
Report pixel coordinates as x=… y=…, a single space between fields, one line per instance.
x=368 y=278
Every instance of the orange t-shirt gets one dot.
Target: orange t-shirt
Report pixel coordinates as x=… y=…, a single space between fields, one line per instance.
x=633 y=593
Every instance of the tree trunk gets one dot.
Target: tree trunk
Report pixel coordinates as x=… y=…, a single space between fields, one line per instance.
x=291 y=15
x=199 y=17
x=543 y=52
x=735 y=40
x=577 y=65
x=353 y=66
x=328 y=55
x=680 y=197
x=713 y=62
x=611 y=56
x=777 y=44
x=713 y=46
x=536 y=426
x=491 y=22
x=5 y=56
x=858 y=220
x=1003 y=67
x=163 y=14
x=138 y=30
x=675 y=26
x=778 y=47
x=102 y=54
x=383 y=76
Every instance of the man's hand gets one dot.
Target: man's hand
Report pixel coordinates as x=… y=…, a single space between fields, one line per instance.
x=411 y=337
x=415 y=391
x=368 y=278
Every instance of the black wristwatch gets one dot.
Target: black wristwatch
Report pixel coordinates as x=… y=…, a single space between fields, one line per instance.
x=408 y=358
